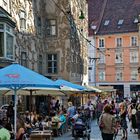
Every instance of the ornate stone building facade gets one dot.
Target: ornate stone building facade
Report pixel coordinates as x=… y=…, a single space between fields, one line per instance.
x=64 y=32
x=48 y=36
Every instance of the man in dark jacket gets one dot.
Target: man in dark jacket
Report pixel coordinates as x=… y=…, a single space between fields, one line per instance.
x=10 y=112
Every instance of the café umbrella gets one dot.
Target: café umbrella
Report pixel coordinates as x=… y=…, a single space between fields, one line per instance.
x=16 y=77
x=70 y=84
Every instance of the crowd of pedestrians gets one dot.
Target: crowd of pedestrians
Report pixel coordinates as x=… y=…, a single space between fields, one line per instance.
x=105 y=110
x=110 y=111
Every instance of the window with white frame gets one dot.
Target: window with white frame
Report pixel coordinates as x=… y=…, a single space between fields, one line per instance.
x=52 y=63
x=134 y=41
x=101 y=43
x=101 y=75
x=119 y=42
x=24 y=59
x=6 y=41
x=118 y=57
x=102 y=58
x=40 y=64
x=51 y=27
x=22 y=16
x=119 y=76
x=134 y=75
x=134 y=57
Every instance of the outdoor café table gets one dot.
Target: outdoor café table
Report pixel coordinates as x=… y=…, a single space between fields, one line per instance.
x=41 y=135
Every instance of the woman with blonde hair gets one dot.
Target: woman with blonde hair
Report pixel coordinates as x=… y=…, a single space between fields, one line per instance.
x=71 y=111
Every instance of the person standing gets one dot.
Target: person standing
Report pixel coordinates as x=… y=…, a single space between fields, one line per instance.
x=57 y=106
x=70 y=112
x=107 y=123
x=133 y=115
x=123 y=114
x=99 y=109
x=10 y=112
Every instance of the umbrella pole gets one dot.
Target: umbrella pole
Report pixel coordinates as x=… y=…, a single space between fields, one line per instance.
x=31 y=105
x=82 y=100
x=15 y=112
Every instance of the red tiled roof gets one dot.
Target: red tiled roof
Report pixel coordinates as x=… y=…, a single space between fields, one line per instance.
x=113 y=11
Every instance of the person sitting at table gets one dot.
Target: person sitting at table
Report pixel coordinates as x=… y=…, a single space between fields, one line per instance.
x=55 y=123
x=20 y=129
x=62 y=122
x=8 y=125
x=62 y=119
x=28 y=126
x=55 y=117
x=48 y=122
x=41 y=124
x=4 y=133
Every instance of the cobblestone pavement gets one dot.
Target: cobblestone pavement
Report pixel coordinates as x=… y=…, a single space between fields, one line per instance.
x=95 y=134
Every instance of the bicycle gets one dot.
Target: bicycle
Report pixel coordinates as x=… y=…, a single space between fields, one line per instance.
x=120 y=132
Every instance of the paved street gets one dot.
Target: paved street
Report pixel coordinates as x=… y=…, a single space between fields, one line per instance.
x=95 y=134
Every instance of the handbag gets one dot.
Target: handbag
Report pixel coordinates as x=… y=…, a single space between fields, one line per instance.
x=101 y=123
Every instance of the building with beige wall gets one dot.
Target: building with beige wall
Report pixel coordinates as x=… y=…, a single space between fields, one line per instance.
x=46 y=36
x=117 y=44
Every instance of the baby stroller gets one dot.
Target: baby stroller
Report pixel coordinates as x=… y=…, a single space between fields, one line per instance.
x=81 y=128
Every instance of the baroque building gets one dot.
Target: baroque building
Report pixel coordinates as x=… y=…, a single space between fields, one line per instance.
x=47 y=36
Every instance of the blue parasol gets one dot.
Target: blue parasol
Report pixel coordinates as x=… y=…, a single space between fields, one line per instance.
x=70 y=84
x=17 y=77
